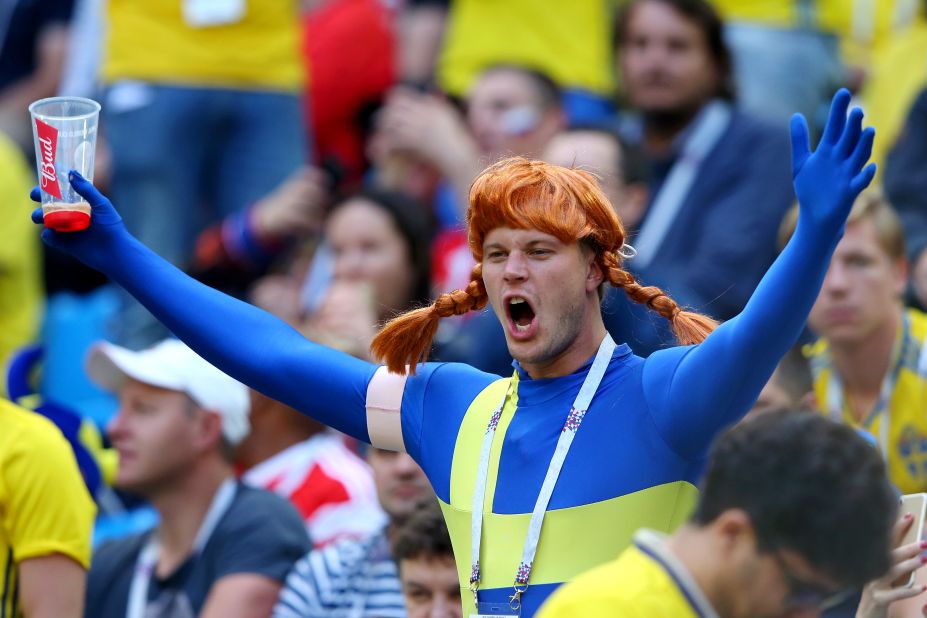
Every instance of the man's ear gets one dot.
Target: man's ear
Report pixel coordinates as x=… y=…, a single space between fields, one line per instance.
x=595 y=276
x=209 y=430
x=733 y=527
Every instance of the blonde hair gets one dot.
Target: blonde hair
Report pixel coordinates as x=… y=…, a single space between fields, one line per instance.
x=524 y=194
x=871 y=204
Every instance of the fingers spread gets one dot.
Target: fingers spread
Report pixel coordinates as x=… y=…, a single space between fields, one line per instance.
x=851 y=133
x=863 y=149
x=838 y=117
x=800 y=148
x=862 y=180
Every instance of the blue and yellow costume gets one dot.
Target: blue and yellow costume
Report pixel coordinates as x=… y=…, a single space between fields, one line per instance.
x=645 y=434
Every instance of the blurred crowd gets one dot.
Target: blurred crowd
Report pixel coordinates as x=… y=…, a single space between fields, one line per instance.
x=314 y=159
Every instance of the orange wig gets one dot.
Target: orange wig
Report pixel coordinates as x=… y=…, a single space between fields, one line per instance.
x=523 y=194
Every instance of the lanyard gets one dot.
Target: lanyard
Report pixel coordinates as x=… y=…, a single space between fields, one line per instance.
x=835 y=398
x=570 y=427
x=148 y=558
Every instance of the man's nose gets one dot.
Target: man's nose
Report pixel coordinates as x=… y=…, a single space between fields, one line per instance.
x=443 y=606
x=405 y=465
x=515 y=267
x=116 y=425
x=837 y=278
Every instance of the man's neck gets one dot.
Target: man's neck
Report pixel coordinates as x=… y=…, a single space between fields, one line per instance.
x=662 y=128
x=694 y=551
x=862 y=365
x=182 y=509
x=570 y=360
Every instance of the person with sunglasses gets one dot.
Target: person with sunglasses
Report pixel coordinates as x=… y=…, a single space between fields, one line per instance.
x=796 y=515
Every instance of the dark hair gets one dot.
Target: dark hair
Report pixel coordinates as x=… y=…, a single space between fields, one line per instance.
x=412 y=223
x=635 y=167
x=549 y=93
x=424 y=534
x=808 y=484
x=709 y=22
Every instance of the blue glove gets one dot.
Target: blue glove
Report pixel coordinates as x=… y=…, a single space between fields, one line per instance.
x=96 y=245
x=828 y=180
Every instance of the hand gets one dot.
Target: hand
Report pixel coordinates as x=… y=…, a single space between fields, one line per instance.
x=426 y=126
x=294 y=208
x=346 y=319
x=93 y=246
x=828 y=180
x=880 y=594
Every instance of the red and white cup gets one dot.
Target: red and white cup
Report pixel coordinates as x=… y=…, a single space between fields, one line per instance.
x=65 y=134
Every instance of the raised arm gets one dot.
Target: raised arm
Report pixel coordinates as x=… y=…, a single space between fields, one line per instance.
x=249 y=344
x=695 y=391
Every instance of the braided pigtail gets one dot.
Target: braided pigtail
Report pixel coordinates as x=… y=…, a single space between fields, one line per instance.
x=406 y=339
x=688 y=326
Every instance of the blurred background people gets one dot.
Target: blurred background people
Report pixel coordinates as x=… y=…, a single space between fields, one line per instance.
x=21 y=290
x=46 y=519
x=221 y=548
x=33 y=47
x=709 y=232
x=427 y=571
x=905 y=179
x=203 y=128
x=360 y=577
x=781 y=494
x=298 y=458
x=870 y=360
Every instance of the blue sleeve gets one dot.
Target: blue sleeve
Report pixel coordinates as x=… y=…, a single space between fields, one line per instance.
x=433 y=407
x=248 y=343
x=694 y=391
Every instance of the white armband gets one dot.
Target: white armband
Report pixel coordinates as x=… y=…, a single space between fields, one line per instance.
x=384 y=410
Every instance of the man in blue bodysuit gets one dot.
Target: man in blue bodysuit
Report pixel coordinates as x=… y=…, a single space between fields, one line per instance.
x=523 y=507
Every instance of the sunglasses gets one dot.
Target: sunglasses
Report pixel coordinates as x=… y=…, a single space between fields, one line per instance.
x=807 y=595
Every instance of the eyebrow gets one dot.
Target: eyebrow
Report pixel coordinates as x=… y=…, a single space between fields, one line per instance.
x=530 y=243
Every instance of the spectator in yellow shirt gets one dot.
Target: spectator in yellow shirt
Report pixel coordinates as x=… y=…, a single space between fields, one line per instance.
x=46 y=519
x=795 y=514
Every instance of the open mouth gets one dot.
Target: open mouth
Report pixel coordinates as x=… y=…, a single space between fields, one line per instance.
x=521 y=315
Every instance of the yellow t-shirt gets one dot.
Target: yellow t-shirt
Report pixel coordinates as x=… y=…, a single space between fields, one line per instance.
x=906 y=436
x=44 y=505
x=253 y=46
x=644 y=582
x=824 y=15
x=570 y=41
x=896 y=76
x=20 y=258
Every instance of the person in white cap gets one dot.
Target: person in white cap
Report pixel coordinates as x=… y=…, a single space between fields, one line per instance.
x=221 y=548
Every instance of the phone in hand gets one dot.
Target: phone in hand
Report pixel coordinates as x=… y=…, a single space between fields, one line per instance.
x=916 y=506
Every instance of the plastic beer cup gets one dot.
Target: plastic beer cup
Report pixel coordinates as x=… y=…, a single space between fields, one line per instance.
x=65 y=134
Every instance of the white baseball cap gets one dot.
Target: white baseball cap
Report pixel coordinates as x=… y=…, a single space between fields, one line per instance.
x=172 y=365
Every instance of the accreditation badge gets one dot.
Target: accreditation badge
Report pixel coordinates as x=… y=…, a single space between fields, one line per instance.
x=489 y=609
